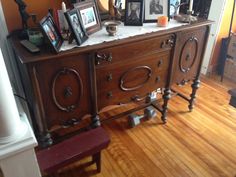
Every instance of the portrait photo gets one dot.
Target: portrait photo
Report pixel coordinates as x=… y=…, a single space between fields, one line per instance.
x=155 y=8
x=88 y=11
x=134 y=13
x=51 y=32
x=76 y=26
x=88 y=17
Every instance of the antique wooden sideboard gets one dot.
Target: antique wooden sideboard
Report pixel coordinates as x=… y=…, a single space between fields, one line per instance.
x=62 y=88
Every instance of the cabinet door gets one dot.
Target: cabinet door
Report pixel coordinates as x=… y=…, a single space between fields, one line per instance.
x=188 y=54
x=63 y=86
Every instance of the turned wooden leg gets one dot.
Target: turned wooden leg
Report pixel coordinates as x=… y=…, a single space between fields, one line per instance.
x=97 y=160
x=166 y=97
x=195 y=86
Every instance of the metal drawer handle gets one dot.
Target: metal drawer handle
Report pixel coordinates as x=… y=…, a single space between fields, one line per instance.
x=159 y=63
x=109 y=77
x=103 y=57
x=158 y=79
x=109 y=95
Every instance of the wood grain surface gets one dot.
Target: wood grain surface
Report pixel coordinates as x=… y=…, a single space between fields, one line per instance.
x=201 y=143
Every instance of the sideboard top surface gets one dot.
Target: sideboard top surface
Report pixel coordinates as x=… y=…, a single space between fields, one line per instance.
x=46 y=54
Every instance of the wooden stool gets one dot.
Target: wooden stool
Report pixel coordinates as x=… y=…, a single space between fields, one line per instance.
x=232 y=102
x=89 y=143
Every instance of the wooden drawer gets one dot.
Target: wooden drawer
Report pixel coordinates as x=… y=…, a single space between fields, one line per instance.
x=121 y=82
x=131 y=51
x=63 y=89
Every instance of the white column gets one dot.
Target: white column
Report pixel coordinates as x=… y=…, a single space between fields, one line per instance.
x=11 y=127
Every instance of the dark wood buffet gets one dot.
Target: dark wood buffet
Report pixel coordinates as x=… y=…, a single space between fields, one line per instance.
x=62 y=88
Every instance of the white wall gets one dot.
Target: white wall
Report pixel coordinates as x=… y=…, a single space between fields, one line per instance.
x=215 y=14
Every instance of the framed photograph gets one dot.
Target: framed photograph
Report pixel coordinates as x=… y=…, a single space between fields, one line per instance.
x=51 y=32
x=174 y=7
x=89 y=13
x=155 y=9
x=76 y=26
x=134 y=12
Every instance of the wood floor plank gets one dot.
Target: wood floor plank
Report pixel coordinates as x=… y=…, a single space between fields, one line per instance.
x=201 y=143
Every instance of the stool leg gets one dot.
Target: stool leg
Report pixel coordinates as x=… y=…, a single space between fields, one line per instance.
x=97 y=160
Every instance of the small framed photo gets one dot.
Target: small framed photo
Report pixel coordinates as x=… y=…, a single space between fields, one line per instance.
x=174 y=7
x=134 y=12
x=75 y=23
x=155 y=9
x=89 y=13
x=51 y=32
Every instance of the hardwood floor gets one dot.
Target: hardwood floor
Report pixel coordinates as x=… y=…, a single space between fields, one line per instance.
x=201 y=143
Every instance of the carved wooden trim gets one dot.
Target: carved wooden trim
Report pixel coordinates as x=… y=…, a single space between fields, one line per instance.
x=185 y=70
x=68 y=92
x=138 y=86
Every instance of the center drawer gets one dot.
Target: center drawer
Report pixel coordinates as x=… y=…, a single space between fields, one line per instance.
x=122 y=82
x=127 y=52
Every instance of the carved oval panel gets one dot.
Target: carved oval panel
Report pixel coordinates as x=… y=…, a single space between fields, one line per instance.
x=67 y=89
x=188 y=54
x=135 y=78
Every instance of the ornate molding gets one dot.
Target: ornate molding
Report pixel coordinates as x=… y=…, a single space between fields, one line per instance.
x=126 y=74
x=188 y=57
x=67 y=90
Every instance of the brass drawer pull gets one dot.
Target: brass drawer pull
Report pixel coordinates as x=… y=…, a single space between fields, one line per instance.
x=158 y=79
x=103 y=57
x=159 y=64
x=109 y=77
x=168 y=43
x=109 y=95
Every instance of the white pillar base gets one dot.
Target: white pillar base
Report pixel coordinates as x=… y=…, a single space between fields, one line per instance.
x=19 y=133
x=17 y=158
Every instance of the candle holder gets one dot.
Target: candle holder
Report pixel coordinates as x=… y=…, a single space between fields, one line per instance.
x=186 y=18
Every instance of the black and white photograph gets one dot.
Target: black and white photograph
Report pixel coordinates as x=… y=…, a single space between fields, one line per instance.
x=89 y=14
x=155 y=9
x=51 y=32
x=134 y=13
x=76 y=26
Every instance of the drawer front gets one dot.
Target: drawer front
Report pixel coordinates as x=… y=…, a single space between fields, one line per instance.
x=131 y=51
x=63 y=85
x=125 y=82
x=188 y=54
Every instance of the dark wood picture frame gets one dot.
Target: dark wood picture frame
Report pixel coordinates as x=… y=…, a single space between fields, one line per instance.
x=76 y=26
x=88 y=11
x=152 y=11
x=134 y=17
x=51 y=32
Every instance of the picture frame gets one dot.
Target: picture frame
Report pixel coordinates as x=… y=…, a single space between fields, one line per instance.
x=76 y=26
x=174 y=7
x=155 y=9
x=51 y=32
x=134 y=12
x=88 y=11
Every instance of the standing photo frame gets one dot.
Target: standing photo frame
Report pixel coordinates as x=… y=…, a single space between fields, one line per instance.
x=134 y=12
x=88 y=11
x=51 y=32
x=76 y=26
x=155 y=9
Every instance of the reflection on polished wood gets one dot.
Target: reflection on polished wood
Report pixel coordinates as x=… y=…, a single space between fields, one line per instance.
x=201 y=143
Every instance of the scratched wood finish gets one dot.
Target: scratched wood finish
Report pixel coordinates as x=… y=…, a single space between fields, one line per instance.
x=201 y=143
